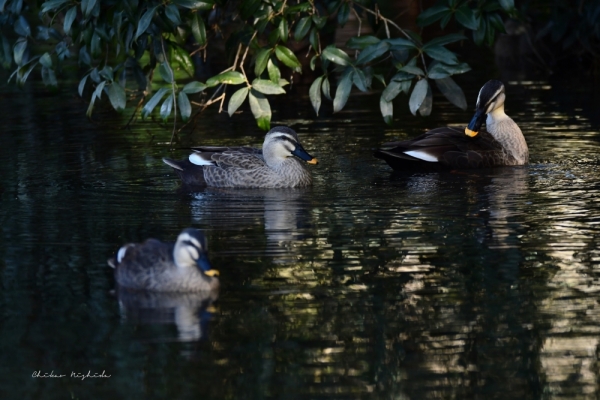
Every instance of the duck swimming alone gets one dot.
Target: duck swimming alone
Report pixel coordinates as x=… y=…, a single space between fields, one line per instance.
x=456 y=148
x=182 y=266
x=277 y=165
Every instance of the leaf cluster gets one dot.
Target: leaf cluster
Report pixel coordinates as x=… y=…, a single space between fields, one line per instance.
x=153 y=44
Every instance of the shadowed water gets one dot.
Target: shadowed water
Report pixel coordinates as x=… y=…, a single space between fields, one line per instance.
x=477 y=284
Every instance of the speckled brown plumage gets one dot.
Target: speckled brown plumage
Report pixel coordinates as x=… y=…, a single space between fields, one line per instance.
x=273 y=166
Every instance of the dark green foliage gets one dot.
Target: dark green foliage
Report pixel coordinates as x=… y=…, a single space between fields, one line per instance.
x=155 y=42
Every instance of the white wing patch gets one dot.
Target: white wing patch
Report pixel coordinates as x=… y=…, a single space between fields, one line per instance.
x=197 y=159
x=121 y=253
x=421 y=155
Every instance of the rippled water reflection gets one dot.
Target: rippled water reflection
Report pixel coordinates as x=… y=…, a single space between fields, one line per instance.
x=479 y=284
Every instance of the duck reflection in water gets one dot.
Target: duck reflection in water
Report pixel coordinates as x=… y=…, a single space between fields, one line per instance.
x=160 y=283
x=189 y=312
x=281 y=211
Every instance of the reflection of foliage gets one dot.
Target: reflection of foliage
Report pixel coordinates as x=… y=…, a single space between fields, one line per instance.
x=115 y=40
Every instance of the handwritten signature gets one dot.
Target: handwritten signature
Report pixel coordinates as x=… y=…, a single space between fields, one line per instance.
x=76 y=375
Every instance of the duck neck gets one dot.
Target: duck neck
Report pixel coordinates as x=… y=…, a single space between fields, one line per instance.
x=508 y=133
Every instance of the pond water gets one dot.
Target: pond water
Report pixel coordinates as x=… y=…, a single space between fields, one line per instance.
x=481 y=284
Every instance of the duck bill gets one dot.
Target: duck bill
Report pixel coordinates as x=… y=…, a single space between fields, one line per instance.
x=303 y=155
x=205 y=266
x=475 y=125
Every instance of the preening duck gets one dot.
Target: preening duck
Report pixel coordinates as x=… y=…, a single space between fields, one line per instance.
x=182 y=266
x=456 y=148
x=279 y=164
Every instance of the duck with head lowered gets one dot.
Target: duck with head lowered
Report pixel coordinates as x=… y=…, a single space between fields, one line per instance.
x=182 y=266
x=502 y=143
x=279 y=164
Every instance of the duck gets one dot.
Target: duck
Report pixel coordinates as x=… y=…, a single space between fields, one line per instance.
x=279 y=164
x=182 y=266
x=449 y=148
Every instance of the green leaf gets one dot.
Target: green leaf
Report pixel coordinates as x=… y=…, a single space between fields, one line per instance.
x=452 y=91
x=313 y=38
x=286 y=56
x=444 y=40
x=107 y=73
x=185 y=108
x=274 y=73
x=87 y=6
x=267 y=87
x=319 y=21
x=229 y=78
x=153 y=102
x=360 y=42
x=198 y=29
x=336 y=55
x=465 y=16
x=145 y=22
x=167 y=107
x=360 y=80
x=194 y=87
x=46 y=60
x=249 y=7
x=195 y=4
x=49 y=77
x=283 y=30
x=21 y=26
x=437 y=71
x=165 y=72
x=418 y=96
x=343 y=90
x=403 y=76
x=432 y=14
x=96 y=95
x=19 y=51
x=326 y=87
x=82 y=85
x=495 y=21
x=260 y=109
x=69 y=18
x=401 y=43
x=315 y=94
x=302 y=28
x=116 y=95
x=172 y=12
x=457 y=69
x=411 y=69
x=46 y=6
x=427 y=104
x=441 y=54
x=507 y=5
x=372 y=52
x=237 y=99
x=262 y=59
x=479 y=34
x=343 y=14
x=387 y=110
x=184 y=60
x=392 y=90
x=302 y=7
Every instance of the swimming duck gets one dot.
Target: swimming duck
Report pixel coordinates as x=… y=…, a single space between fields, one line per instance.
x=458 y=148
x=182 y=266
x=276 y=165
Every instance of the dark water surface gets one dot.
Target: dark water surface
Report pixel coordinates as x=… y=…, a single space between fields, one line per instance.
x=482 y=284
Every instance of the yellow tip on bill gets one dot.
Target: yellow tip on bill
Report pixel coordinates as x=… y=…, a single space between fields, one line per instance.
x=470 y=133
x=211 y=272
x=314 y=161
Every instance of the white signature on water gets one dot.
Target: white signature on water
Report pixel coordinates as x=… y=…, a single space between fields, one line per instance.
x=75 y=375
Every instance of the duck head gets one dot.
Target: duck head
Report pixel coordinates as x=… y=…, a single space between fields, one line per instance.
x=191 y=251
x=491 y=97
x=281 y=143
